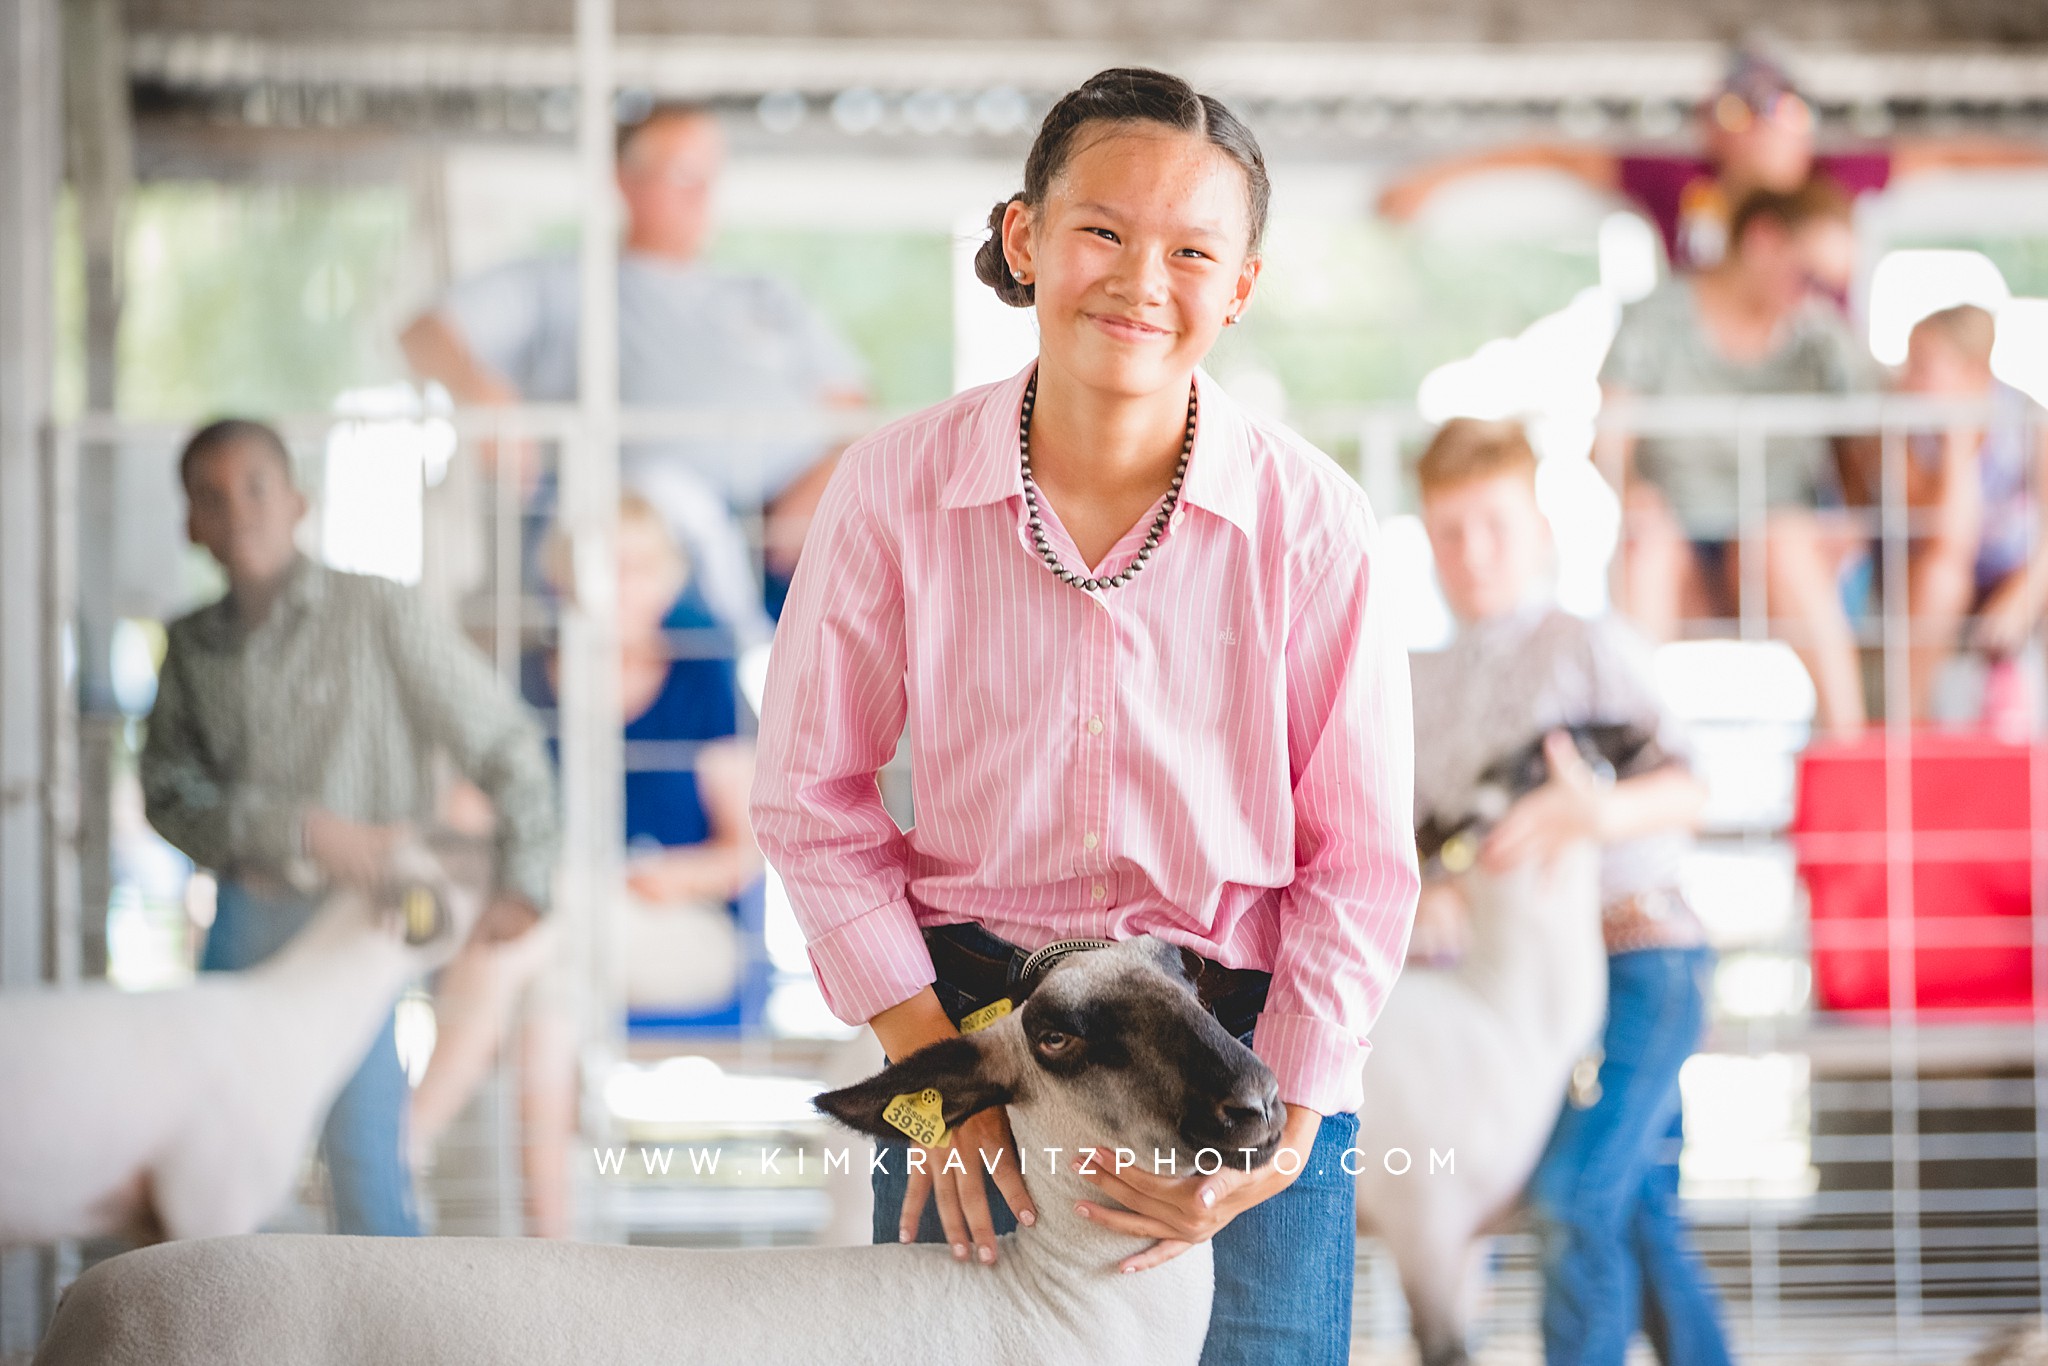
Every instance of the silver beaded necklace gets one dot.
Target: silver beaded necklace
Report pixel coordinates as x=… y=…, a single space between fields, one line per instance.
x=1037 y=519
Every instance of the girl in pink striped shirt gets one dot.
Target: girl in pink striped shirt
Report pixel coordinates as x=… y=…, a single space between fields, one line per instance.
x=1150 y=686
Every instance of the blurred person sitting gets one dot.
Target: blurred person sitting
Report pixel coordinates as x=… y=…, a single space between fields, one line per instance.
x=691 y=335
x=1973 y=488
x=290 y=749
x=690 y=857
x=1756 y=132
x=1616 y=1252
x=1750 y=325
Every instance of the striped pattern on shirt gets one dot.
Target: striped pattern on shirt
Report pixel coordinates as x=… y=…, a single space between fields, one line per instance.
x=1219 y=752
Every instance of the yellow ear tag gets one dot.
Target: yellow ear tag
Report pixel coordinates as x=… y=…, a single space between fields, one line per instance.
x=986 y=1016
x=1459 y=853
x=421 y=911
x=920 y=1115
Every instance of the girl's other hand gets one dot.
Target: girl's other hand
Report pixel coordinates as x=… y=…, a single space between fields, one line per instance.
x=985 y=1145
x=1181 y=1211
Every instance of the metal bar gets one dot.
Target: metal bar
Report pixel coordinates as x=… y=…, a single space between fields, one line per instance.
x=2037 y=868
x=591 y=726
x=1903 y=1016
x=29 y=168
x=63 y=794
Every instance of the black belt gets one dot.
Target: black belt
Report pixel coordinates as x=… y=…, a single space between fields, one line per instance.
x=975 y=969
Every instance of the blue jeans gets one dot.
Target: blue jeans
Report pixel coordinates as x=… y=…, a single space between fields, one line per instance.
x=1616 y=1251
x=363 y=1140
x=1283 y=1268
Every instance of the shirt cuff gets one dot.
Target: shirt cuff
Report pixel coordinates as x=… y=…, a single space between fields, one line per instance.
x=1318 y=1064
x=872 y=962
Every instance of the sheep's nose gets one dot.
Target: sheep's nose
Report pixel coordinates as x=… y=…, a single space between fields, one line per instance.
x=1254 y=1104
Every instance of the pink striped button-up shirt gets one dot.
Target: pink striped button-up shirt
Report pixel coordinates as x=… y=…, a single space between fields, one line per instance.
x=1219 y=752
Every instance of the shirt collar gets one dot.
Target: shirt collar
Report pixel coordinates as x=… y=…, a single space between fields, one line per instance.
x=1511 y=627
x=305 y=585
x=1219 y=478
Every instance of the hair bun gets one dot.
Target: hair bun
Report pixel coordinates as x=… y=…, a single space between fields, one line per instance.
x=992 y=267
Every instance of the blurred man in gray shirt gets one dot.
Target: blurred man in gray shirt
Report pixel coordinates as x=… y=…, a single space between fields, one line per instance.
x=690 y=335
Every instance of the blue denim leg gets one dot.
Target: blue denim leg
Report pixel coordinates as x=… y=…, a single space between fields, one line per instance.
x=1284 y=1267
x=363 y=1138
x=1681 y=1312
x=1587 y=1194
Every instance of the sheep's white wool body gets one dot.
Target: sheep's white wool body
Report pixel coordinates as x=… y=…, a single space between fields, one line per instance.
x=1475 y=1061
x=1054 y=1298
x=186 y=1113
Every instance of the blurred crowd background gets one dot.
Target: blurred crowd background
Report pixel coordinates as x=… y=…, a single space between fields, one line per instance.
x=1771 y=304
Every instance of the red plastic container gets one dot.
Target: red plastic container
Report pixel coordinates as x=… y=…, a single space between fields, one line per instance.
x=1967 y=862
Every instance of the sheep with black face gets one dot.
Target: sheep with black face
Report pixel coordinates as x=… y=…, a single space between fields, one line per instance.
x=1111 y=1051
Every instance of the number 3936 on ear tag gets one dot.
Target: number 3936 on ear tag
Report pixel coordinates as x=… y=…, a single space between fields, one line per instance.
x=920 y=1115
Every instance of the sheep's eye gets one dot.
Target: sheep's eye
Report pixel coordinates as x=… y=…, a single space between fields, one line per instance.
x=1052 y=1043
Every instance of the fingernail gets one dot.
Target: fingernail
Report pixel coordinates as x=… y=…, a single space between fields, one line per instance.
x=906 y=1235
x=1027 y=1218
x=960 y=1251
x=1208 y=1196
x=1129 y=1269
x=1081 y=1210
x=987 y=1255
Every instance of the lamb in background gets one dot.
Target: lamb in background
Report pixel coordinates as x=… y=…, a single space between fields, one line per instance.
x=1476 y=1059
x=1054 y=1296
x=186 y=1113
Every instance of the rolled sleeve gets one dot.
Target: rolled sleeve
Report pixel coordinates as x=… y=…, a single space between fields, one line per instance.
x=831 y=715
x=872 y=962
x=1344 y=920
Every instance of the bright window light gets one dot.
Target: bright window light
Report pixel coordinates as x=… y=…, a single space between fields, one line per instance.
x=1628 y=256
x=1585 y=526
x=1550 y=371
x=991 y=340
x=2020 y=354
x=691 y=1091
x=1909 y=285
x=1734 y=680
x=1748 y=1128
x=1424 y=619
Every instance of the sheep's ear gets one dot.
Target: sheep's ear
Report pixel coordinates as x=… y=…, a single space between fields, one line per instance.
x=960 y=1070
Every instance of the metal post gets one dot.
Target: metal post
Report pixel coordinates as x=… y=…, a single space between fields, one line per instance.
x=592 y=741
x=29 y=95
x=100 y=159
x=1904 y=1016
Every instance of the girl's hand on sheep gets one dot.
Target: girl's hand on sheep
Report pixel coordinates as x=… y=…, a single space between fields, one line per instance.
x=962 y=1196
x=1181 y=1211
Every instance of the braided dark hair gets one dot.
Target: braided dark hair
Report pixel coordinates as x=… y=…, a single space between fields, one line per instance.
x=1121 y=95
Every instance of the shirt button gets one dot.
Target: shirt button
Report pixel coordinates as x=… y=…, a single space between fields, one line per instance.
x=1100 y=891
x=1095 y=725
x=1088 y=841
x=1178 y=515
